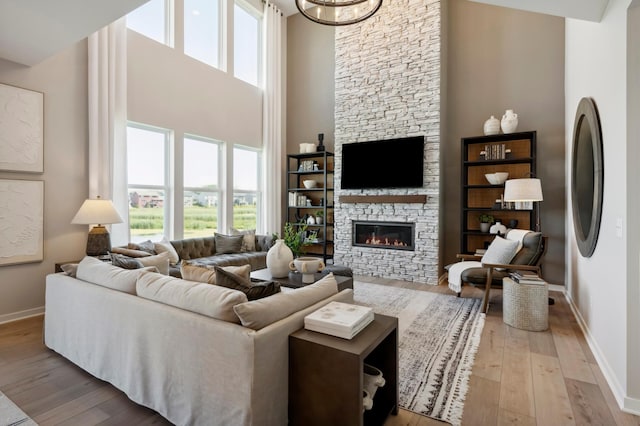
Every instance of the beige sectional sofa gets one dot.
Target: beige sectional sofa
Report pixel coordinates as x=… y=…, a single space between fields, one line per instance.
x=197 y=353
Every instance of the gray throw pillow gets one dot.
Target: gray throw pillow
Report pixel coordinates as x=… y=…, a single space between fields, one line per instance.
x=254 y=291
x=125 y=262
x=147 y=246
x=228 y=243
x=500 y=251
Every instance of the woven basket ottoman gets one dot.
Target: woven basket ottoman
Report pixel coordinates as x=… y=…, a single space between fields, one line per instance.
x=525 y=306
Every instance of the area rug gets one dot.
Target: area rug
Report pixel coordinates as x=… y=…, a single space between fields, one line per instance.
x=11 y=415
x=439 y=335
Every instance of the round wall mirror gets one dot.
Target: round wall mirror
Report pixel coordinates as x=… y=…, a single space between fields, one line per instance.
x=587 y=176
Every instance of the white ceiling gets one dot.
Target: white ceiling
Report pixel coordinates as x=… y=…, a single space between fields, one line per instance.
x=33 y=30
x=588 y=10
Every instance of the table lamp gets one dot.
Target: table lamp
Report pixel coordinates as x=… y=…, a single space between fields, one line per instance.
x=99 y=212
x=524 y=189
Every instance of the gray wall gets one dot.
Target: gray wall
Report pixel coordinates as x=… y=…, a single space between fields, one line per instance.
x=496 y=58
x=310 y=83
x=63 y=80
x=501 y=58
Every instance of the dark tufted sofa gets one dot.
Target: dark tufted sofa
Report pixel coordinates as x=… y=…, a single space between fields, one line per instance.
x=202 y=251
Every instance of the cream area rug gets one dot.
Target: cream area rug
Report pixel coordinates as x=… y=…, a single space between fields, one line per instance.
x=439 y=335
x=11 y=415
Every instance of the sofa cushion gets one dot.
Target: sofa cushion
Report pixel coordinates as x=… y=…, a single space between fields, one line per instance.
x=207 y=274
x=165 y=246
x=104 y=274
x=160 y=261
x=228 y=243
x=258 y=314
x=195 y=248
x=253 y=290
x=248 y=238
x=210 y=300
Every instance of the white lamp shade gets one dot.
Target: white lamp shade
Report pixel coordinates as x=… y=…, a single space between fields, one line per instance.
x=96 y=212
x=527 y=189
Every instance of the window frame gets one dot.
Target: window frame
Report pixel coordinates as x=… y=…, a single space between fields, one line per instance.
x=222 y=38
x=166 y=187
x=169 y=24
x=259 y=191
x=251 y=10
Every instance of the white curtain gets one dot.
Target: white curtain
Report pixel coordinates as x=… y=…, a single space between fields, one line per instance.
x=108 y=121
x=272 y=120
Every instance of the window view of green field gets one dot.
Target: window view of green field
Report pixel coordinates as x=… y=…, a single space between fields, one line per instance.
x=200 y=218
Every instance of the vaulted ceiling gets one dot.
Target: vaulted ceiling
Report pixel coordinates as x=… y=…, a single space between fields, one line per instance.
x=33 y=30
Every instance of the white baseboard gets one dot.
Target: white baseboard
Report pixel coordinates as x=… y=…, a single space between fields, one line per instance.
x=16 y=316
x=626 y=404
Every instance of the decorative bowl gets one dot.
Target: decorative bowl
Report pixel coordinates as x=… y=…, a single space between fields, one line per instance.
x=309 y=183
x=497 y=178
x=307 y=266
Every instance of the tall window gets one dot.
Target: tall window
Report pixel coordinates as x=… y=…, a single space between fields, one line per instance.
x=202 y=26
x=201 y=186
x=246 y=43
x=152 y=20
x=147 y=168
x=246 y=188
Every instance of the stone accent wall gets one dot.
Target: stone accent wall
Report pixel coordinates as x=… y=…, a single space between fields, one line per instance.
x=387 y=85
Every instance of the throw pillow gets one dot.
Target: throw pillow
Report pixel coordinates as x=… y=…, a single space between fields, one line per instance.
x=144 y=246
x=160 y=261
x=207 y=274
x=500 y=251
x=254 y=291
x=130 y=252
x=228 y=243
x=70 y=269
x=210 y=300
x=164 y=246
x=248 y=238
x=258 y=314
x=125 y=262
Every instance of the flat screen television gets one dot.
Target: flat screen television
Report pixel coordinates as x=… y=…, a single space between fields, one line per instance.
x=389 y=163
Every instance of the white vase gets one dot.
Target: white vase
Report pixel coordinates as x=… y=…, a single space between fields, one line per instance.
x=492 y=126
x=278 y=258
x=509 y=122
x=498 y=228
x=484 y=226
x=319 y=220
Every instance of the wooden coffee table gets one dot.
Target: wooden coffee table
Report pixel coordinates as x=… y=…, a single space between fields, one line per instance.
x=295 y=281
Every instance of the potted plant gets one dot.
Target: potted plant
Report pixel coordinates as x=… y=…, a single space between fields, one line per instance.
x=485 y=222
x=319 y=217
x=294 y=237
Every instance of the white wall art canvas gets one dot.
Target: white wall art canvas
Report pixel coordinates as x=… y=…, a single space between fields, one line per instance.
x=21 y=130
x=21 y=221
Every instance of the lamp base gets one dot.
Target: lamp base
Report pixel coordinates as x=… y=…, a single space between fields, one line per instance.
x=98 y=241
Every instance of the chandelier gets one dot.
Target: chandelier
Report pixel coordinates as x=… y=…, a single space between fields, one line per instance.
x=338 y=12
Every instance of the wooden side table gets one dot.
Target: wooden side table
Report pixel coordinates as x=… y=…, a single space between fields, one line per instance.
x=326 y=375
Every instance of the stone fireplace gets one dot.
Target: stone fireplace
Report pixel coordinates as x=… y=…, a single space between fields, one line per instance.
x=385 y=235
x=387 y=85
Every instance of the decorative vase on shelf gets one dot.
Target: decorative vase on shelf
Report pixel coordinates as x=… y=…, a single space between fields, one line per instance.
x=492 y=126
x=484 y=226
x=498 y=228
x=509 y=122
x=278 y=258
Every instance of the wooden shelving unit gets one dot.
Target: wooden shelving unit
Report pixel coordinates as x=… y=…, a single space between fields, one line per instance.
x=321 y=198
x=478 y=196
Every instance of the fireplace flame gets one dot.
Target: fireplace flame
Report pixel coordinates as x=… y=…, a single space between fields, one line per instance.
x=373 y=240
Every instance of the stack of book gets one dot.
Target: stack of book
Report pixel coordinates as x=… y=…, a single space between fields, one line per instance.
x=526 y=278
x=480 y=252
x=339 y=319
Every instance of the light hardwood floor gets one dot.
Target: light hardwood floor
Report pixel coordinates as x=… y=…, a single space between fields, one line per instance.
x=519 y=377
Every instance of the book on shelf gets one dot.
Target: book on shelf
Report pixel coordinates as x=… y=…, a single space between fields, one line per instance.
x=480 y=252
x=339 y=319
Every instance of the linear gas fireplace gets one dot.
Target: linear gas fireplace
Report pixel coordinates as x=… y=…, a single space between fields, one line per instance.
x=387 y=235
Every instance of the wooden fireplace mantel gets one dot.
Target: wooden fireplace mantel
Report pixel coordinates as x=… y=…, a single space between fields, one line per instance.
x=421 y=199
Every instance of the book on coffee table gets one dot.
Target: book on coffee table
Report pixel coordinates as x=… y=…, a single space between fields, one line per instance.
x=339 y=319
